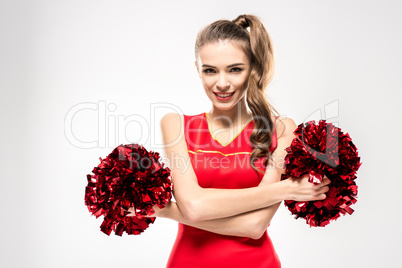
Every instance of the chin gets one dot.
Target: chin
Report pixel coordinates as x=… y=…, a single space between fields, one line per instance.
x=224 y=107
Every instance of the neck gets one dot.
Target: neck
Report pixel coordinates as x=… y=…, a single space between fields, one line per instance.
x=238 y=115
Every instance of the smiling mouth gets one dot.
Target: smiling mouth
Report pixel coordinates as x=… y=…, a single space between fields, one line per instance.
x=224 y=95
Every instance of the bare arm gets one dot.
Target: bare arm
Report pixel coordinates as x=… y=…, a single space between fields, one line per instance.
x=200 y=204
x=242 y=225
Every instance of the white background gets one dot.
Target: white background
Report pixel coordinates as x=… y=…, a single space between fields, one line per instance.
x=138 y=57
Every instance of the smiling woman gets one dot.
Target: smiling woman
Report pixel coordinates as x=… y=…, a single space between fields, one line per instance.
x=222 y=79
x=227 y=197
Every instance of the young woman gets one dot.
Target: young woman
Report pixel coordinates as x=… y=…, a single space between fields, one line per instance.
x=227 y=197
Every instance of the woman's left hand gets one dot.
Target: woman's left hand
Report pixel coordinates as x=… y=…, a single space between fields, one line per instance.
x=132 y=212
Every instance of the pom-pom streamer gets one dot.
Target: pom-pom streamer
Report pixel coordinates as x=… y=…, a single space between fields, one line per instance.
x=320 y=150
x=129 y=176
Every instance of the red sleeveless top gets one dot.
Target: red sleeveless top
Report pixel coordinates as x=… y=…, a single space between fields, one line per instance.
x=224 y=166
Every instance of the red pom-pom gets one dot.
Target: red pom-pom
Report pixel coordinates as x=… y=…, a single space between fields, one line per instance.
x=320 y=150
x=129 y=176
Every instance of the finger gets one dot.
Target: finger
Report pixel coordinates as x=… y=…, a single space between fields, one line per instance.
x=326 y=181
x=321 y=196
x=130 y=209
x=304 y=177
x=317 y=187
x=324 y=189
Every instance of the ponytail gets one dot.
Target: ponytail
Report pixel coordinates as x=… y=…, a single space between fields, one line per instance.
x=262 y=71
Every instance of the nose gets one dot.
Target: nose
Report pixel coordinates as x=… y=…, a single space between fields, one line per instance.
x=222 y=83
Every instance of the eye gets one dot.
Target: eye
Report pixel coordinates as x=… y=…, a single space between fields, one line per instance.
x=236 y=70
x=207 y=71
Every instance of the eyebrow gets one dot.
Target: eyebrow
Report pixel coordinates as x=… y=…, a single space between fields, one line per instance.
x=232 y=65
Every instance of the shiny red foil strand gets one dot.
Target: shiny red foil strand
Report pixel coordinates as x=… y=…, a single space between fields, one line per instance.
x=318 y=150
x=129 y=176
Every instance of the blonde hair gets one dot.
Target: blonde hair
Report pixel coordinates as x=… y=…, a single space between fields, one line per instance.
x=256 y=44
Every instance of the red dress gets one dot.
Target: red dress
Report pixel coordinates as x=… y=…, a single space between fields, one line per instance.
x=226 y=167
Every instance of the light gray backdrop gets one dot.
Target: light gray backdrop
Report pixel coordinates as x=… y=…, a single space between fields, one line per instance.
x=80 y=77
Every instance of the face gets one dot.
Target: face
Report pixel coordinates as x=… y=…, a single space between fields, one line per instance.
x=224 y=69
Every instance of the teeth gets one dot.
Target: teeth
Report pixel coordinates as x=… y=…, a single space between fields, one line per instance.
x=224 y=95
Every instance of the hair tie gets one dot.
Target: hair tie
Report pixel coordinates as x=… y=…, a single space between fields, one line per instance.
x=246 y=23
x=242 y=21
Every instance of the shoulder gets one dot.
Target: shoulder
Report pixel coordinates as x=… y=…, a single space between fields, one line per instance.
x=285 y=126
x=175 y=120
x=171 y=118
x=171 y=127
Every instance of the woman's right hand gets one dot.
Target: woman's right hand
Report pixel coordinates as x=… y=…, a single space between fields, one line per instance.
x=302 y=190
